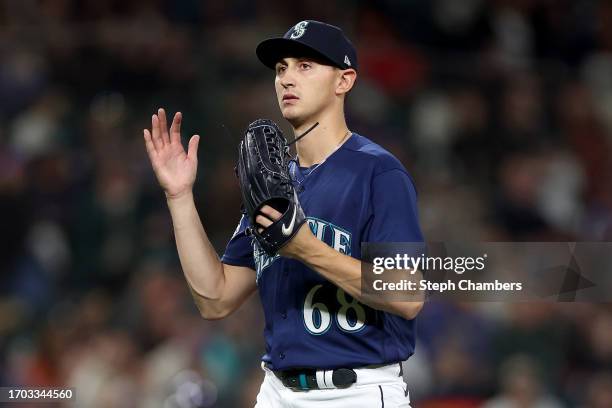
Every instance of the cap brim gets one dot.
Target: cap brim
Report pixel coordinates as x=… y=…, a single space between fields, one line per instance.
x=273 y=50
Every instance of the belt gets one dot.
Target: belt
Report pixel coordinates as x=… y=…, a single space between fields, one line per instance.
x=310 y=379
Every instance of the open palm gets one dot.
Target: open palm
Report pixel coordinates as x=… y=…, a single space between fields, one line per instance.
x=175 y=169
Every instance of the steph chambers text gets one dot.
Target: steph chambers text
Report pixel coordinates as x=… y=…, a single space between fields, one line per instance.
x=461 y=285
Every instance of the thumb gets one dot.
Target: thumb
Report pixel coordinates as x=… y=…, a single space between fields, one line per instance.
x=192 y=149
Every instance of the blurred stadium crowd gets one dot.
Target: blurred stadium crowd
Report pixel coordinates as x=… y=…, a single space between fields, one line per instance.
x=501 y=110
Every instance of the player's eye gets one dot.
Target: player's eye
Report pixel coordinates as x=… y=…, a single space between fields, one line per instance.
x=304 y=65
x=280 y=68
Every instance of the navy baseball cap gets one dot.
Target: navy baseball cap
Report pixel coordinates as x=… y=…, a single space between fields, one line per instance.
x=310 y=38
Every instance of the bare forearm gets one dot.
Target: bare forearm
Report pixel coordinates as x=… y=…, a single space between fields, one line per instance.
x=345 y=272
x=199 y=260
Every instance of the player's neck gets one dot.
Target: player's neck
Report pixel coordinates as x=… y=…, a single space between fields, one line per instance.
x=321 y=141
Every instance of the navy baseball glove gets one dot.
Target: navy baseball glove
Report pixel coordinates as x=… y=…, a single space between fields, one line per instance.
x=263 y=172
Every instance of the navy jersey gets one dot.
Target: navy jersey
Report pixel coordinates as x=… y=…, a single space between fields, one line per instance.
x=361 y=193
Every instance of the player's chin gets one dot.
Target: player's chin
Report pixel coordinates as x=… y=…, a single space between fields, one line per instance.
x=291 y=113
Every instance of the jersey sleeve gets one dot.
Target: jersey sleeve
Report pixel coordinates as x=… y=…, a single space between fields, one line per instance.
x=239 y=249
x=394 y=215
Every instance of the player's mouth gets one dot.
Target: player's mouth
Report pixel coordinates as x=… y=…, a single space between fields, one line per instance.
x=289 y=98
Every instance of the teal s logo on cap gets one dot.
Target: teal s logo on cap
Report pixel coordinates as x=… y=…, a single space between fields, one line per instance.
x=298 y=30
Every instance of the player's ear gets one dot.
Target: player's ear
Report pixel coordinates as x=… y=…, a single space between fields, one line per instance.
x=346 y=80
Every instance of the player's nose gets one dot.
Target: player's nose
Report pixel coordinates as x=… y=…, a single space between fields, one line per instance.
x=287 y=81
x=288 y=78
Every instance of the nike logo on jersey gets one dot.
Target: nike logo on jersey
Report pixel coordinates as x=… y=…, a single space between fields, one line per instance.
x=286 y=230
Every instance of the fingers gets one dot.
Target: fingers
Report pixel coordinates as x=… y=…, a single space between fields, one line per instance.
x=263 y=222
x=192 y=149
x=271 y=213
x=149 y=143
x=157 y=141
x=175 y=128
x=163 y=125
x=159 y=129
x=267 y=217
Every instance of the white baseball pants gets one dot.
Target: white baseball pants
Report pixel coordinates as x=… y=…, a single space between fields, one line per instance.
x=375 y=387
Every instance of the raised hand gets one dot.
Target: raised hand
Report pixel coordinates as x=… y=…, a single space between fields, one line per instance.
x=174 y=168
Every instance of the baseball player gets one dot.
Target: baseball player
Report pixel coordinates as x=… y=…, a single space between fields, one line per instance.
x=326 y=346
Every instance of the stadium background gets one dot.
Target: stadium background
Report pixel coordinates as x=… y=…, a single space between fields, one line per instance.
x=502 y=111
